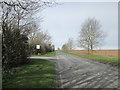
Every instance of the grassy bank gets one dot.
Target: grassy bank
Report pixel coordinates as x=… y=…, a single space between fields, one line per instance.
x=102 y=59
x=38 y=74
x=47 y=54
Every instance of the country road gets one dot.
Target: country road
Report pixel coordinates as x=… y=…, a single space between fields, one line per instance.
x=77 y=72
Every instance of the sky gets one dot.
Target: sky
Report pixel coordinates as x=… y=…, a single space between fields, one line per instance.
x=64 y=21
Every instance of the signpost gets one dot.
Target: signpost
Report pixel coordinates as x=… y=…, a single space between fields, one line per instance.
x=38 y=47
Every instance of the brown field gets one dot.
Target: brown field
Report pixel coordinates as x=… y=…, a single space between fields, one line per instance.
x=108 y=53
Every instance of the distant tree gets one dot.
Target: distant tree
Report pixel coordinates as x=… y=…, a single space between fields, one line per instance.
x=70 y=43
x=58 y=48
x=53 y=48
x=91 y=35
x=65 y=47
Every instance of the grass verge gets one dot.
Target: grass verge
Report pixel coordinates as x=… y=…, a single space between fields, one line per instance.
x=38 y=74
x=47 y=54
x=102 y=59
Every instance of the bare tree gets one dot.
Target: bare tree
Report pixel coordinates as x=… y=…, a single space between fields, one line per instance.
x=70 y=43
x=15 y=22
x=39 y=37
x=65 y=47
x=42 y=38
x=29 y=4
x=91 y=35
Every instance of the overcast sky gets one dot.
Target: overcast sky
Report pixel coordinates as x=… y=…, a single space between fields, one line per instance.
x=64 y=21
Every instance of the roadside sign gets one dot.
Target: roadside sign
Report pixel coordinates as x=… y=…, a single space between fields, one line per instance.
x=37 y=46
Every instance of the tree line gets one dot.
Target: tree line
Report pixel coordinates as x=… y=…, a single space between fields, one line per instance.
x=90 y=36
x=20 y=33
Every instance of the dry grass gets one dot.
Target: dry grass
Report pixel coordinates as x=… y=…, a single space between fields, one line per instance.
x=108 y=53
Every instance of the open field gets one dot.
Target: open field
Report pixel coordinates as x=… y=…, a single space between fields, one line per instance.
x=38 y=74
x=108 y=53
x=103 y=59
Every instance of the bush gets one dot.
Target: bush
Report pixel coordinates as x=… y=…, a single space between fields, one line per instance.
x=15 y=49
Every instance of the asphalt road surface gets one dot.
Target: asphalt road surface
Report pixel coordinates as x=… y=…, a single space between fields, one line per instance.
x=76 y=72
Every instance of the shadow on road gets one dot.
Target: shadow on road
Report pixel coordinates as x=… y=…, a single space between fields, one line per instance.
x=76 y=72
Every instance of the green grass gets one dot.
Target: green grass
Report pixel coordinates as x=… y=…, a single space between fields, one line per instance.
x=47 y=54
x=38 y=74
x=102 y=59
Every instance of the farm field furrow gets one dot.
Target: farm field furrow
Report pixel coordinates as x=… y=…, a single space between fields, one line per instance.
x=108 y=53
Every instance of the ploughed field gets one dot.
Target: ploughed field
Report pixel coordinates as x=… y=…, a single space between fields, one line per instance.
x=108 y=53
